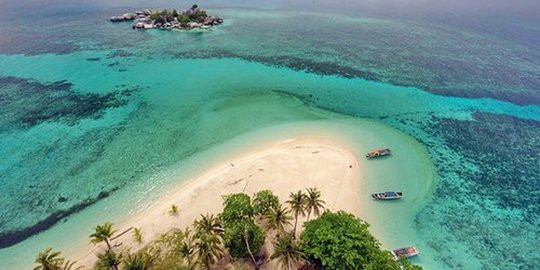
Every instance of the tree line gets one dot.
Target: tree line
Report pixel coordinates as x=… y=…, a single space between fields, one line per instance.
x=331 y=240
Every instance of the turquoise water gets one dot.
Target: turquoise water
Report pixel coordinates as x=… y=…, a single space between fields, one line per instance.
x=91 y=110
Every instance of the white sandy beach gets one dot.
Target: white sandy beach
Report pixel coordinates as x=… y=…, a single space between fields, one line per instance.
x=283 y=158
x=283 y=167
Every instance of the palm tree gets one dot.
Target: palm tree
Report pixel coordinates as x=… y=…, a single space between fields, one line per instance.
x=297 y=203
x=313 y=202
x=108 y=260
x=187 y=249
x=208 y=224
x=68 y=265
x=209 y=249
x=103 y=233
x=276 y=218
x=49 y=260
x=138 y=261
x=137 y=235
x=287 y=252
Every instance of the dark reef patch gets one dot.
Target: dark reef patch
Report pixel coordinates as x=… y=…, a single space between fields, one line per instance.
x=506 y=150
x=25 y=103
x=318 y=68
x=93 y=59
x=119 y=53
x=11 y=238
x=488 y=169
x=113 y=64
x=437 y=85
x=34 y=43
x=294 y=63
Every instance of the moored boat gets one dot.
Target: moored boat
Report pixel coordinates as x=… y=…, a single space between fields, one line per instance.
x=405 y=252
x=389 y=195
x=378 y=153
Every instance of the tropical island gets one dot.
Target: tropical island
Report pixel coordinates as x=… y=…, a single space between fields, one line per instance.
x=235 y=239
x=191 y=18
x=242 y=214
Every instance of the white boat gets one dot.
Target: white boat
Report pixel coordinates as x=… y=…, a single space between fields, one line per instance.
x=405 y=252
x=378 y=153
x=389 y=195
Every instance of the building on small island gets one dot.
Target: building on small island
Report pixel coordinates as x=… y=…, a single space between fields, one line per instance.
x=191 y=18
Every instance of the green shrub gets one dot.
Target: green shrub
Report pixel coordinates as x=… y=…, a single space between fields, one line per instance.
x=137 y=235
x=240 y=227
x=342 y=241
x=174 y=210
x=155 y=15
x=236 y=234
x=183 y=18
x=237 y=207
x=263 y=201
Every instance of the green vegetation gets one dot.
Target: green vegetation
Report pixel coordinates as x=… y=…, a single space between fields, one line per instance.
x=287 y=252
x=314 y=204
x=243 y=238
x=329 y=241
x=174 y=210
x=155 y=15
x=298 y=204
x=48 y=259
x=208 y=224
x=277 y=218
x=191 y=15
x=263 y=201
x=138 y=261
x=184 y=18
x=174 y=249
x=342 y=241
x=236 y=207
x=208 y=249
x=52 y=260
x=102 y=233
x=108 y=260
x=137 y=235
x=242 y=235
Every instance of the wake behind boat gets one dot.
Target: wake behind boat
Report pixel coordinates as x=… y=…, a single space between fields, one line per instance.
x=389 y=195
x=378 y=153
x=405 y=252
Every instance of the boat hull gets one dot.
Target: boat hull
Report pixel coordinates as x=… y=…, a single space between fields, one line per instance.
x=406 y=252
x=378 y=153
x=390 y=195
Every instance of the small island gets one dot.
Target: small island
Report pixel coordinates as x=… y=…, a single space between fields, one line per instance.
x=192 y=18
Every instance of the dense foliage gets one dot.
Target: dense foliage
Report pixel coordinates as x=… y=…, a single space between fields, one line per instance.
x=194 y=14
x=341 y=241
x=243 y=236
x=238 y=233
x=236 y=207
x=330 y=241
x=287 y=251
x=263 y=201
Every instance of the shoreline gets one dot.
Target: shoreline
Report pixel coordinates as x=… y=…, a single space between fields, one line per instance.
x=409 y=169
x=321 y=162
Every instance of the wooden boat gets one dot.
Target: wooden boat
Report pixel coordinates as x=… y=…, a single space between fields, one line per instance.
x=378 y=153
x=389 y=195
x=405 y=252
